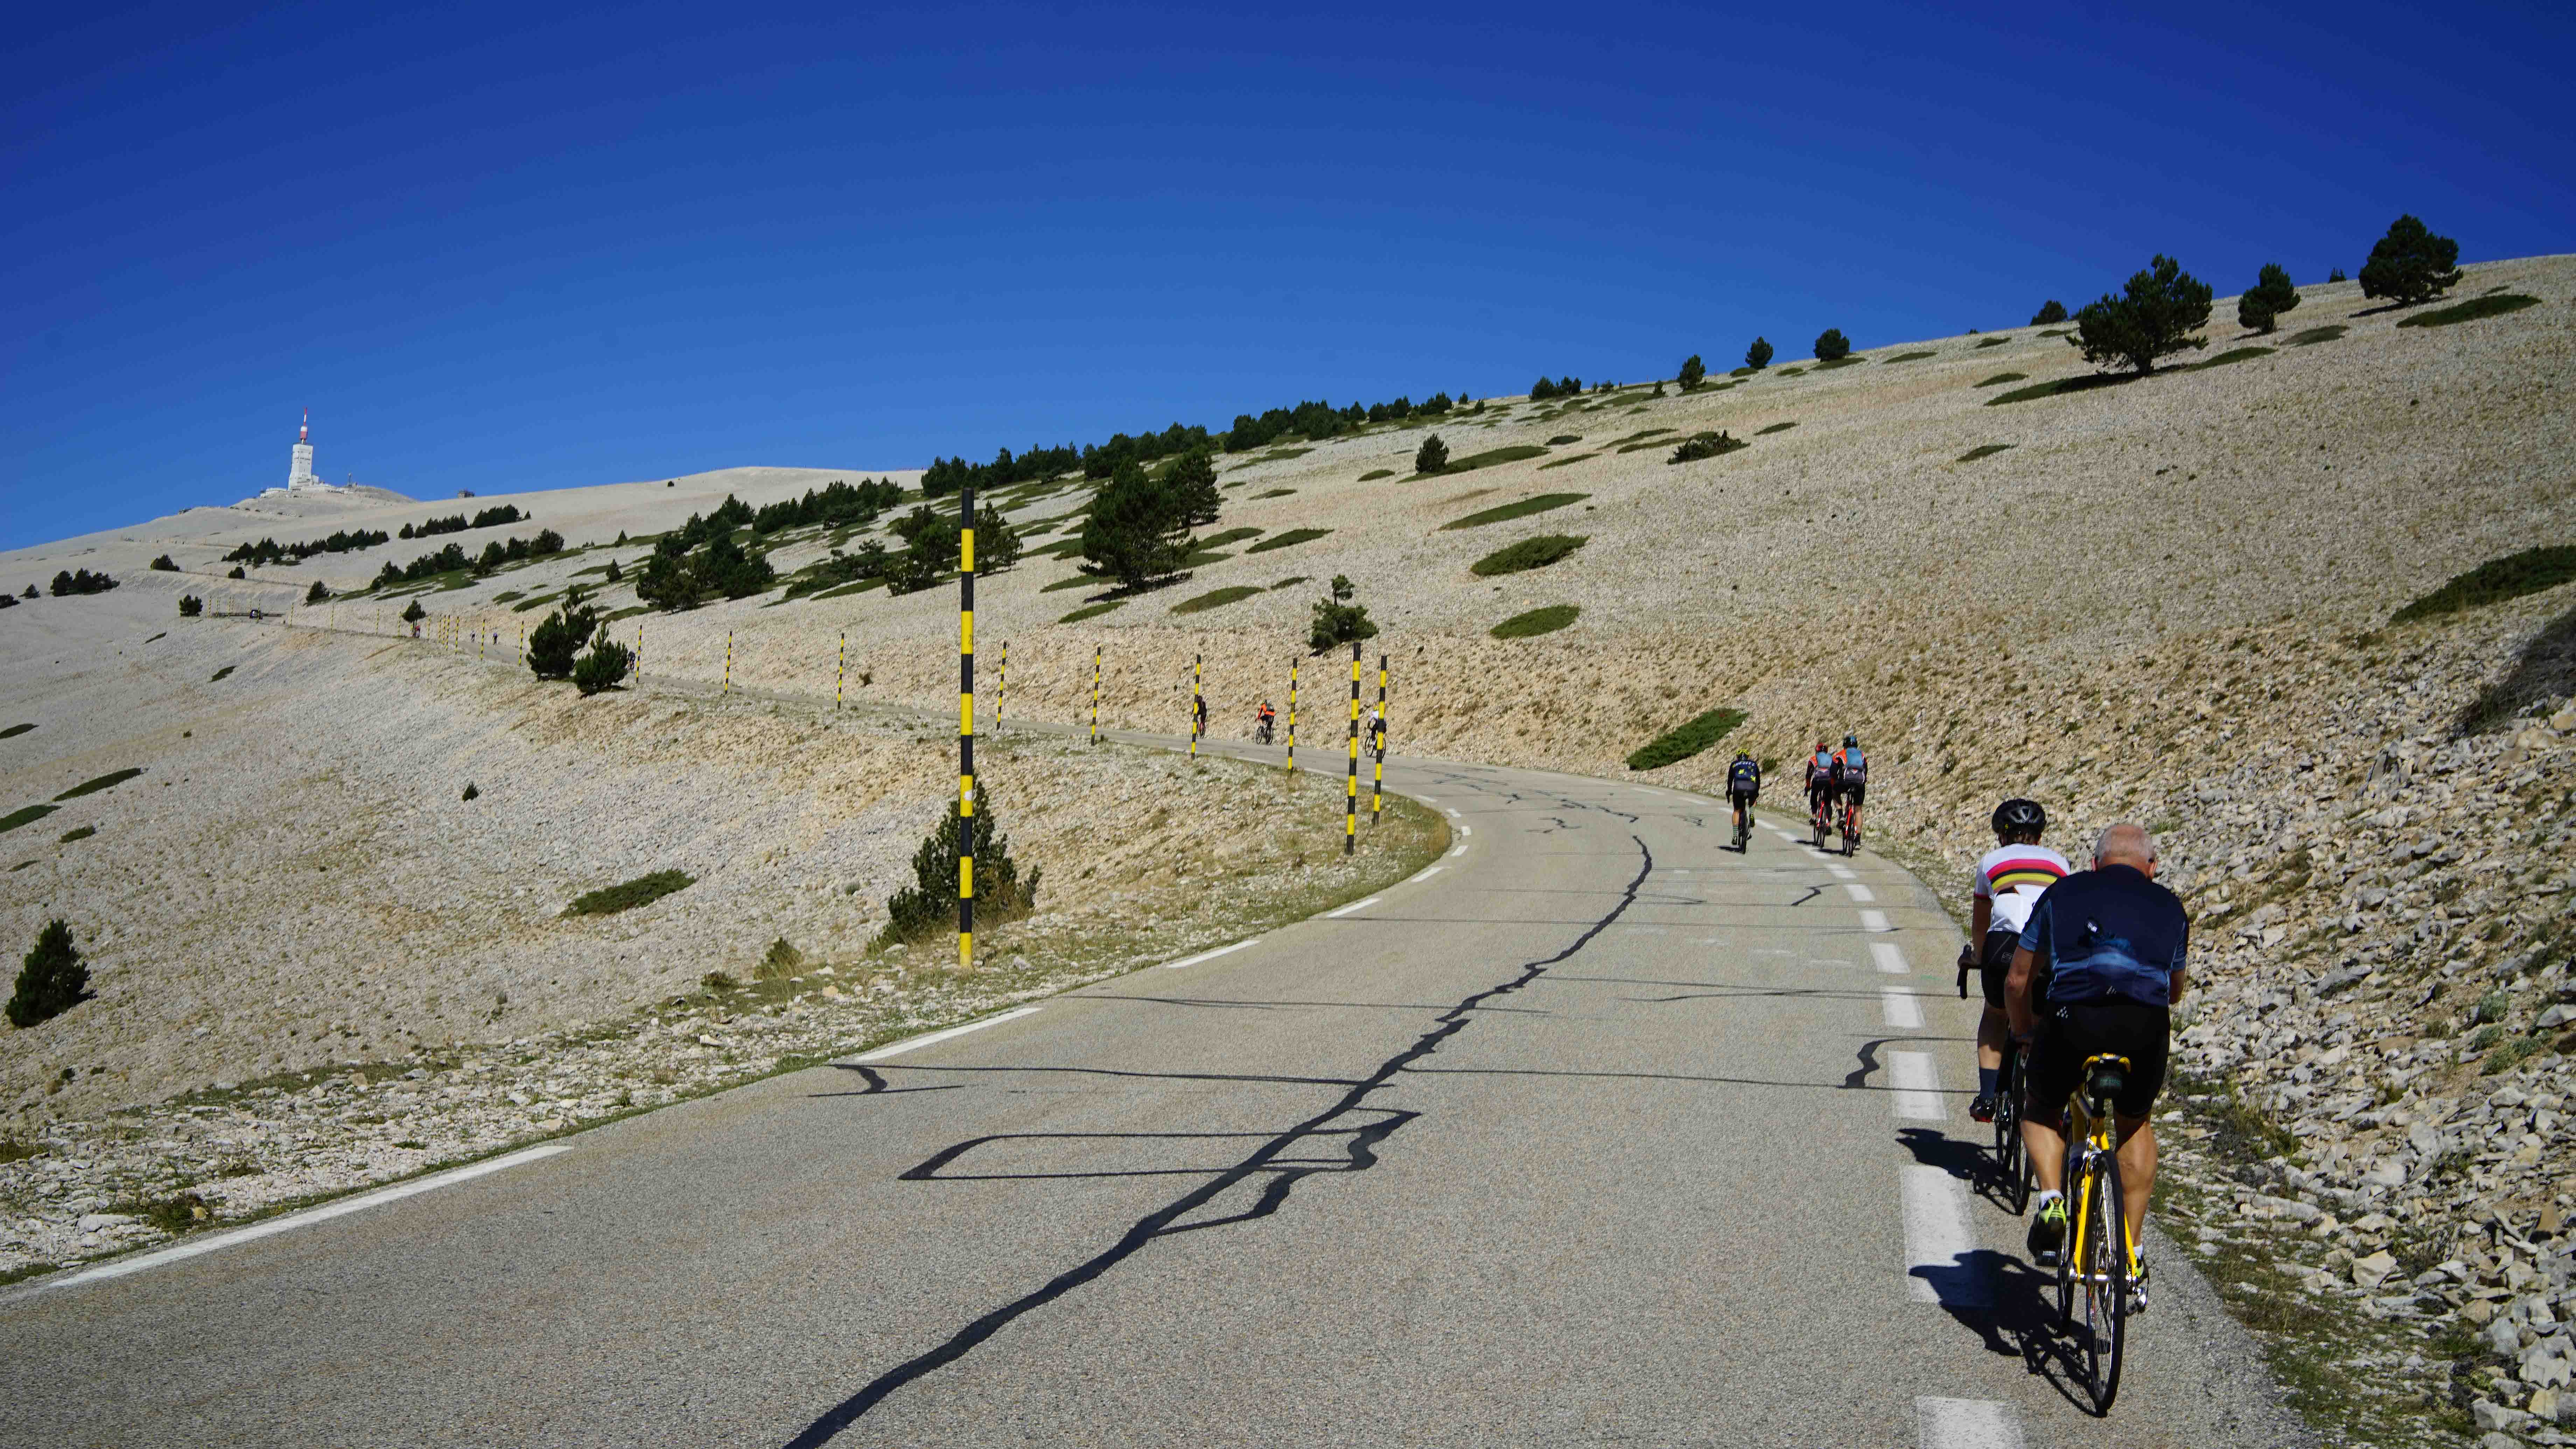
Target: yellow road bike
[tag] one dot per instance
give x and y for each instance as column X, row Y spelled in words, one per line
column 2095, row 1260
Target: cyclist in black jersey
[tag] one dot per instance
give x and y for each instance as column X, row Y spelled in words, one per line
column 1743, row 787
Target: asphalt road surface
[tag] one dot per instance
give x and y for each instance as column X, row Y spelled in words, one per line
column 1594, row 1133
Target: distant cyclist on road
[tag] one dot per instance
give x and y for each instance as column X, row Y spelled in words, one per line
column 1851, row 778
column 1743, row 787
column 1377, row 728
column 1198, row 716
column 2007, row 883
column 1262, row 720
column 2112, row 942
column 1820, row 782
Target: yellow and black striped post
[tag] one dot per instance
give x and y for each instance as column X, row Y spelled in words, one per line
column 1095, row 694
column 1002, row 685
column 727, row 686
column 639, row 655
column 841, row 673
column 523, row 646
column 1351, row 780
column 1377, row 787
column 966, row 726
column 1198, row 664
column 1292, row 714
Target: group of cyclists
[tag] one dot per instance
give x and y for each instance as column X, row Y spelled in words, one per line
column 2078, row 968
column 1265, row 722
column 1834, row 777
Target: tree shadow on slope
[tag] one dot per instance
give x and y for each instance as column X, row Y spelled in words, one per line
column 2546, row 671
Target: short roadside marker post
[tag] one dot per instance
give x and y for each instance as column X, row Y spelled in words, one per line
column 639, row 655
column 841, row 677
column 1351, row 779
column 1292, row 713
column 1198, row 702
column 1095, row 694
column 1002, row 685
column 1377, row 787
column 727, row 686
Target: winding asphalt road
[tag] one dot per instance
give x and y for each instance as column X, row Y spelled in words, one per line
column 1596, row 1132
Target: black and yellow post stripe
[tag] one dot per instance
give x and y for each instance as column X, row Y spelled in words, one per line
column 1351, row 779
column 841, row 673
column 966, row 726
column 1095, row 694
column 728, row 674
column 1198, row 666
column 1002, row 685
column 1292, row 714
column 1377, row 787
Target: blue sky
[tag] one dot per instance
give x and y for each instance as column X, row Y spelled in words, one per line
column 497, row 247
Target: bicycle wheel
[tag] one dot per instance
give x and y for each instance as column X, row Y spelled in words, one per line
column 2106, row 1280
column 2072, row 1181
column 2014, row 1153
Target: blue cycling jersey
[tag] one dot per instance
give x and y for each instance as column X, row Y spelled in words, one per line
column 2109, row 932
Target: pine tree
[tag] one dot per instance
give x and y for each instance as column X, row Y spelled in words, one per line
column 1193, row 478
column 2152, row 319
column 930, row 902
column 319, row 593
column 190, row 606
column 604, row 667
column 1138, row 531
column 997, row 544
column 1338, row 618
column 552, row 644
column 2263, row 303
column 2050, row 313
column 2410, row 264
column 1758, row 356
column 52, row 980
column 1432, row 456
column 1832, row 345
column 413, row 613
column 1693, row 373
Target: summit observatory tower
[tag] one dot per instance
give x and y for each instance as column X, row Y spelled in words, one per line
column 299, row 473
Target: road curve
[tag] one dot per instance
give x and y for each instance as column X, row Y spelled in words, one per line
column 1594, row 1132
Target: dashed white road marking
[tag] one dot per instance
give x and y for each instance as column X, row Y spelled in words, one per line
column 1426, row 873
column 1941, row 1262
column 290, row 1221
column 1452, row 811
column 1917, row 1085
column 1887, row 958
column 1353, row 906
column 929, row 1038
column 1858, row 891
column 1209, row 955
column 1457, row 851
column 1873, row 920
column 1839, row 872
column 1466, row 829
column 1900, row 1008
column 1965, row 1424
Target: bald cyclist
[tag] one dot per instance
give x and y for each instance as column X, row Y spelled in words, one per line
column 2108, row 944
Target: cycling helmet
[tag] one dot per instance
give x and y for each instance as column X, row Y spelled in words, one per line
column 2016, row 815
column 1851, row 742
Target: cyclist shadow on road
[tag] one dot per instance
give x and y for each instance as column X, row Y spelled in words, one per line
column 2008, row 1303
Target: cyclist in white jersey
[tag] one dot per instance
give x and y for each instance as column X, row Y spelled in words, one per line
column 2009, row 880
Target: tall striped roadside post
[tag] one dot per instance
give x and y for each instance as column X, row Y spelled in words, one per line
column 1095, row 694
column 1198, row 663
column 966, row 726
column 1377, row 787
column 727, row 687
column 1002, row 685
column 1292, row 713
column 841, row 672
column 639, row 655
column 1351, row 780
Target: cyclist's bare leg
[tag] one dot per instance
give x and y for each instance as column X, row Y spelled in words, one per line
column 2047, row 1153
column 1992, row 1033
column 2137, row 1171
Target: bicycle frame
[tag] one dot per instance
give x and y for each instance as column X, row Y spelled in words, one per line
column 2092, row 1166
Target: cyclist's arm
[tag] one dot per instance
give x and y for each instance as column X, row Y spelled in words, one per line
column 1981, row 917
column 2017, row 1005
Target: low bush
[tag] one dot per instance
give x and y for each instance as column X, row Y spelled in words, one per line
column 1994, row 342
column 1706, row 445
column 929, row 904
column 81, row 581
column 1561, row 439
column 644, row 890
column 1216, row 599
column 1504, row 513
column 470, row 792
column 604, row 667
column 1909, row 357
column 15, row 730
column 1984, row 450
column 1529, row 553
column 413, row 613
column 1537, row 621
column 1492, row 456
column 25, row 815
column 190, row 606
column 220, row 675
column 2495, row 581
column 2493, row 305
column 79, row 833
column 108, row 781
column 52, row 979
column 1284, row 492
column 1339, row 617
column 236, row 573
column 1685, row 740
column 165, row 564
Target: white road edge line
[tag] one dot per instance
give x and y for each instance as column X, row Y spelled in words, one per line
column 1940, row 1266
column 1965, row 1424
column 1353, row 906
column 1209, row 955
column 1888, row 958
column 1873, row 920
column 930, row 1038
column 1426, row 873
column 1457, row 851
column 1901, row 1009
column 1858, row 891
column 1466, row 830
column 1917, row 1084
column 290, row 1221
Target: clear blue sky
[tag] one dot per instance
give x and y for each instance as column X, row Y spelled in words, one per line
column 496, row 248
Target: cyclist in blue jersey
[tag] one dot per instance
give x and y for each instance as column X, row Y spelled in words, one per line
column 1851, row 778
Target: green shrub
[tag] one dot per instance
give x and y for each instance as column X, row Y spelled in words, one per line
column 25, row 815
column 318, row 594
column 1090, row 611
column 1289, row 539
column 1529, row 553
column 1832, row 345
column 604, row 667
column 2495, row 305
column 1792, row 372
column 2153, row 318
column 2003, row 377
column 1984, row 450
column 220, row 675
column 1994, row 342
column 929, row 904
column 1757, row 356
column 15, row 730
column 2410, row 264
column 1706, row 445
column 1909, row 357
column 1370, row 476
column 1217, row 598
column 52, row 980
column 237, row 573
column 165, row 564
column 470, row 792
column 1492, row 456
column 83, row 832
column 2495, row 581
column 1537, row 621
column 553, row 644
column 1774, row 428
column 2264, row 303
column 1693, row 373
column 2050, row 312
column 1339, row 618
column 1561, row 439
column 644, row 890
column 108, row 781
column 413, row 613
column 1432, row 456
column 190, row 606
column 1685, row 740
column 1284, row 492
column 1504, row 513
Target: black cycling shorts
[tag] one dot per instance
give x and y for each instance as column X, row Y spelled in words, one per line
column 1994, row 963
column 2069, row 1032
column 1742, row 799
column 1853, row 793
